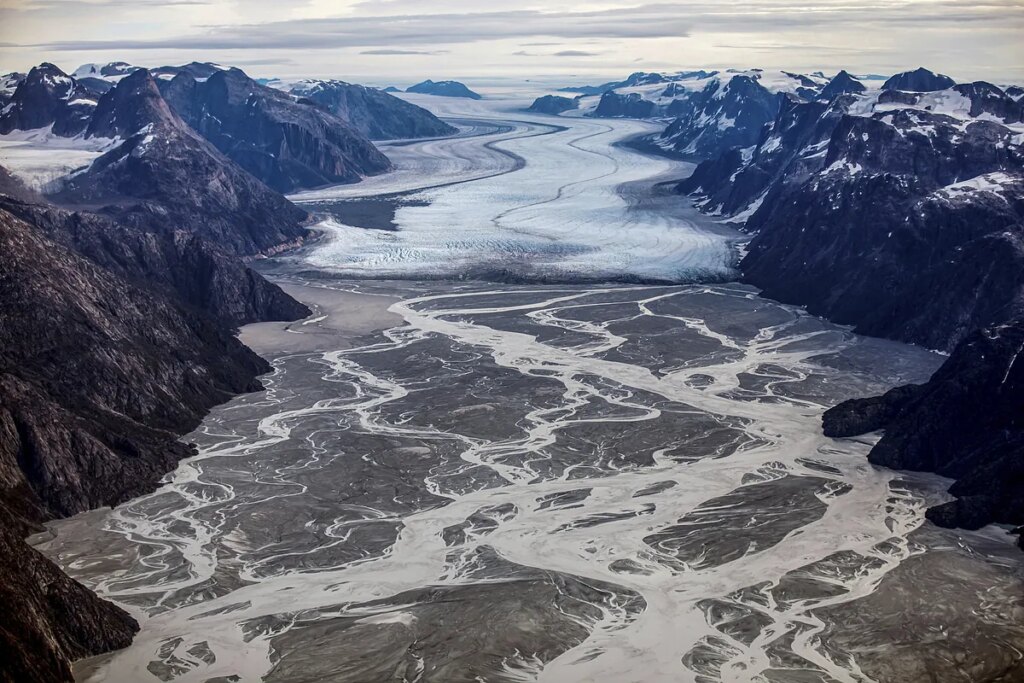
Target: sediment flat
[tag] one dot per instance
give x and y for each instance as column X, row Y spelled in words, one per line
column 340, row 315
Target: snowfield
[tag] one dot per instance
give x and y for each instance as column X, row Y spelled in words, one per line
column 524, row 196
column 41, row 159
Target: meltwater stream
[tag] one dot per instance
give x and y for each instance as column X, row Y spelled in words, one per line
column 562, row 483
column 535, row 483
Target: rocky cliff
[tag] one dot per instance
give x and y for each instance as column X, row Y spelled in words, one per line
column 901, row 212
column 99, row 377
column 966, row 422
column 48, row 97
column 49, row 618
column 195, row 270
column 630, row 105
column 374, row 113
column 283, row 141
column 918, row 80
column 165, row 175
column 724, row 114
column 117, row 313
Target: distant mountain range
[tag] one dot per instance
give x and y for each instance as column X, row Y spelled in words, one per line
column 372, row 112
column 443, row 89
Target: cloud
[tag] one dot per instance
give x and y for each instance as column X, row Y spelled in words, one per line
column 63, row 5
column 406, row 30
column 403, row 52
column 979, row 38
column 263, row 61
column 661, row 20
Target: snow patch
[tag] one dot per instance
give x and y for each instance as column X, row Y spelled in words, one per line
column 988, row 182
column 41, row 159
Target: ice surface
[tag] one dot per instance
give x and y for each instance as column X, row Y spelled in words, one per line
column 536, row 197
column 40, row 159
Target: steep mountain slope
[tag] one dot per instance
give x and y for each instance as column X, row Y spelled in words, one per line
column 97, row 380
column 8, row 84
column 443, row 89
column 899, row 213
column 116, row 328
column 286, row 143
column 49, row 618
column 712, row 111
column 196, row 271
column 630, row 105
column 841, row 84
column 722, row 115
column 48, row 97
column 100, row 375
column 165, row 175
column 372, row 112
column 966, row 422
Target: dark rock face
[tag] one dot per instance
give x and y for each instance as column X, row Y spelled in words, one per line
column 199, row 70
column 286, row 143
column 862, row 415
column 130, row 106
column 738, row 178
column 49, row 618
column 902, row 213
column 8, row 84
column 553, row 104
column 919, row 80
column 195, row 270
column 966, row 422
column 904, row 222
column 988, row 99
column 117, row 337
column 98, row 378
column 374, row 113
column 841, row 84
column 48, row 97
column 876, row 241
column 99, row 375
column 631, row 106
column 721, row 116
column 444, row 89
column 164, row 175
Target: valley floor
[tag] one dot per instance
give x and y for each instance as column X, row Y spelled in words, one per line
column 458, row 481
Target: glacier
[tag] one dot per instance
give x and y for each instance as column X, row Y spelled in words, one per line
column 582, row 205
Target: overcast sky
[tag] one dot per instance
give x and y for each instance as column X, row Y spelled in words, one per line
column 402, row 41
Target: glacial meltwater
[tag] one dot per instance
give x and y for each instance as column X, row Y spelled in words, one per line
column 581, row 482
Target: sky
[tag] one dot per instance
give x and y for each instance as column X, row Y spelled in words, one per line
column 384, row 42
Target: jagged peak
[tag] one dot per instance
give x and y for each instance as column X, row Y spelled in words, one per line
column 131, row 105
